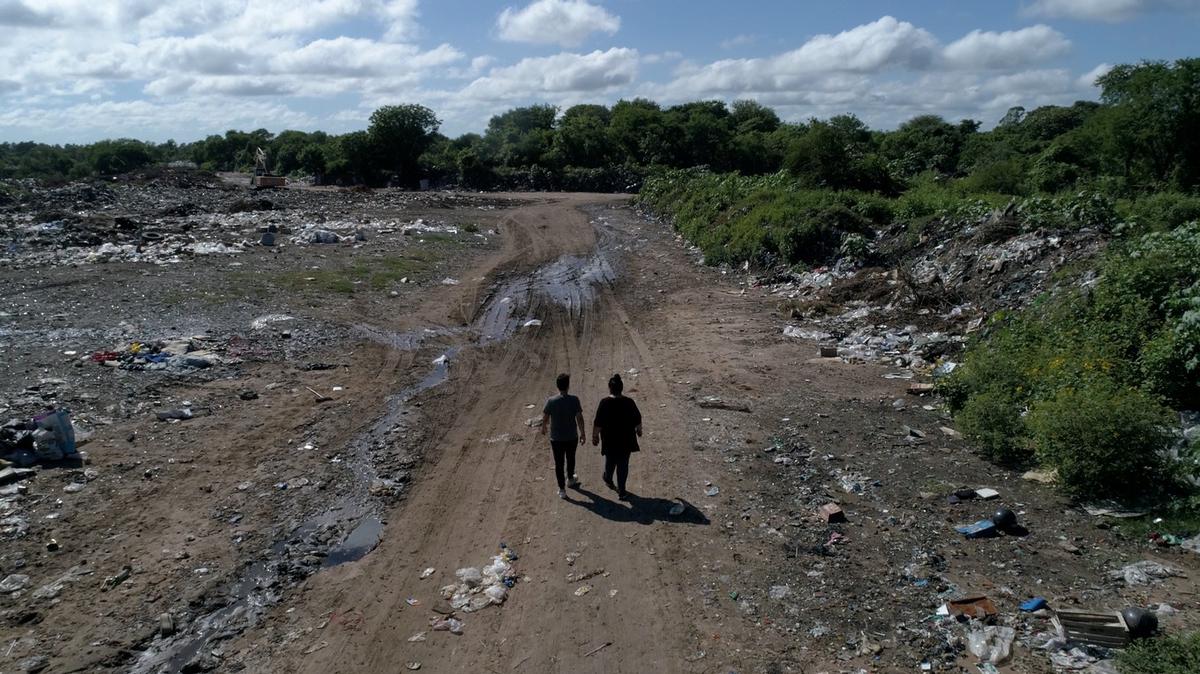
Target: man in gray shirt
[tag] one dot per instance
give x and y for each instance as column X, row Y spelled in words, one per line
column 563, row 417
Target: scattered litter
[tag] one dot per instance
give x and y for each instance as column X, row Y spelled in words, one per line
column 427, row 573
column 979, row 608
column 413, row 665
column 419, row 636
column 1145, row 572
column 1115, row 513
column 450, row 624
column 1035, row 604
column 583, row 589
column 991, row 644
column 598, row 649
column 712, row 491
column 987, row 494
column 532, row 323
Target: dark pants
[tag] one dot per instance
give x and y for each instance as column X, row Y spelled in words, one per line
column 619, row 462
column 564, row 450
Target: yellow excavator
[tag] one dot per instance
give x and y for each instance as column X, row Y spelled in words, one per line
column 262, row 177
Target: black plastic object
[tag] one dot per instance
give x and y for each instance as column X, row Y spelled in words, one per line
column 1004, row 519
column 1141, row 623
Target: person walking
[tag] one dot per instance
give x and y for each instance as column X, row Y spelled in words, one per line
column 618, row 423
column 563, row 415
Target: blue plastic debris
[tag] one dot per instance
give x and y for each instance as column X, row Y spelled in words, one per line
column 1035, row 604
column 981, row 529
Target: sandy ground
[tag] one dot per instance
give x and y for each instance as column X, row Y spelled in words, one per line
column 746, row 579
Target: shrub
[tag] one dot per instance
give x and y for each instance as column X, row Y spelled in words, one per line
column 1162, row 211
column 1164, row 655
column 1105, row 440
column 992, row 420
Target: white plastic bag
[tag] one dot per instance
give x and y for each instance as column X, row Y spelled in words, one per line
column 470, row 576
column 497, row 594
column 991, row 644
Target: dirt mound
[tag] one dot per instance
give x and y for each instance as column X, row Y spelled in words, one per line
column 172, row 176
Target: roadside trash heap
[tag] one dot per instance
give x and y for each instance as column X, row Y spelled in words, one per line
column 47, row 437
column 178, row 354
column 477, row 589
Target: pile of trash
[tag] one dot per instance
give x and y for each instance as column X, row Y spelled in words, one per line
column 176, row 354
column 47, row 437
column 917, row 308
column 477, row 588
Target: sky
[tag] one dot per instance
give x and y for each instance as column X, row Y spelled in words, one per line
column 74, row 71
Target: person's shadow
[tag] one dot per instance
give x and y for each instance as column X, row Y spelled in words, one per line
column 641, row 509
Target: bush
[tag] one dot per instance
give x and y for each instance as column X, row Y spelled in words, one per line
column 992, row 420
column 1093, row 367
column 1164, row 655
column 1105, row 441
column 763, row 220
column 1162, row 212
column 1084, row 209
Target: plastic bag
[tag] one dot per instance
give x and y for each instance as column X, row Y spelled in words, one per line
column 55, row 437
column 497, row 594
column 991, row 644
column 497, row 570
column 470, row 576
column 451, row 625
column 477, row 603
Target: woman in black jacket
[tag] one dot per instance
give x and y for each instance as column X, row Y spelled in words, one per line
column 618, row 423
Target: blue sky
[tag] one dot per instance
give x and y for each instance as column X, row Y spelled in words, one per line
column 81, row 70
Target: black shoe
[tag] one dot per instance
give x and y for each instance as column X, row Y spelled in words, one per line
column 610, row 484
column 623, row 496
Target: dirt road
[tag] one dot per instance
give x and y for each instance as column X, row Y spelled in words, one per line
column 489, row 480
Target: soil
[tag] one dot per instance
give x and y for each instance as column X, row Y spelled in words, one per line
column 391, row 433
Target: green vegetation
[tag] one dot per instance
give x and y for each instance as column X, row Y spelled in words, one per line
column 1082, row 381
column 1165, row 655
column 368, row 273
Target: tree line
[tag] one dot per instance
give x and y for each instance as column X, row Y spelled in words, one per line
column 1139, row 136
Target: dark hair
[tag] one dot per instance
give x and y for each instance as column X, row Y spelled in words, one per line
column 563, row 382
column 615, row 385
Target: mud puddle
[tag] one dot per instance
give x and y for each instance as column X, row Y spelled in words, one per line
column 260, row 585
column 570, row 282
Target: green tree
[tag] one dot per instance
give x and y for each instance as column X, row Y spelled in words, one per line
column 583, row 137
column 1156, row 110
column 398, row 135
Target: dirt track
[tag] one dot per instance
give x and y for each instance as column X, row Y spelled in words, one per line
column 489, row 481
column 747, row 579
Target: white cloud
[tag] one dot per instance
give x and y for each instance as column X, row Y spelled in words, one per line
column 558, row 74
column 149, row 120
column 1010, row 49
column 1088, row 79
column 875, row 47
column 563, row 22
column 1112, row 11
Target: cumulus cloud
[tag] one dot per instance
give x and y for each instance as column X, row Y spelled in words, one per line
column 1010, row 49
column 566, row 23
column 558, row 74
column 1111, row 11
column 151, row 120
column 882, row 45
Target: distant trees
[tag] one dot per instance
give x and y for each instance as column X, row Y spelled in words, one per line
column 1139, row 137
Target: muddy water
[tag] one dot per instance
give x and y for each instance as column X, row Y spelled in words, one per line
column 570, row 283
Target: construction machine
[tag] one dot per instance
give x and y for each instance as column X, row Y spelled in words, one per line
column 262, row 177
